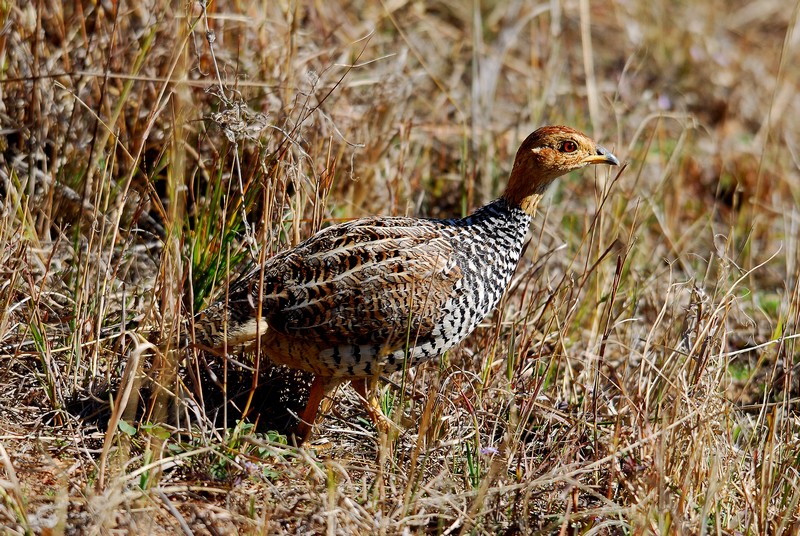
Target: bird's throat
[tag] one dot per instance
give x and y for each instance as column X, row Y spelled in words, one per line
column 527, row 203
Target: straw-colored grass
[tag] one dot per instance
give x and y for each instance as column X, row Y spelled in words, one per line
column 640, row 376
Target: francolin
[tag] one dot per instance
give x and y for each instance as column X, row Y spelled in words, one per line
column 373, row 295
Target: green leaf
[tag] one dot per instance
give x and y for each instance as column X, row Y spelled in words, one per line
column 127, row 428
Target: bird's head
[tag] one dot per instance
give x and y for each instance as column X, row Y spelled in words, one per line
column 546, row 154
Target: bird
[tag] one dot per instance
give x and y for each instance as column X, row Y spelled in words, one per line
column 375, row 295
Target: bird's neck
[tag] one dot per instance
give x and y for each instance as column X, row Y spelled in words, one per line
column 526, row 202
column 524, row 189
column 500, row 214
column 487, row 246
column 524, row 192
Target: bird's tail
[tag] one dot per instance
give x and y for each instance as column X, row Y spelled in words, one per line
column 218, row 327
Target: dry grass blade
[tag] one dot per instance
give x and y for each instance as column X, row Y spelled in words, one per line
column 12, row 491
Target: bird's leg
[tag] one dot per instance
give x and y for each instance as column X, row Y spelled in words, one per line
column 372, row 405
column 317, row 392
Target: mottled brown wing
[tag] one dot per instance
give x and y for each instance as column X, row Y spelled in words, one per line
column 367, row 282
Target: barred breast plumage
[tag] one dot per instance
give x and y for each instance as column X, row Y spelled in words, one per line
column 373, row 295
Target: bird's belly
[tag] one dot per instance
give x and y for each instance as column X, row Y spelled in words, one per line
column 365, row 360
column 353, row 361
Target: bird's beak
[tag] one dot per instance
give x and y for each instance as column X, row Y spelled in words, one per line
column 602, row 156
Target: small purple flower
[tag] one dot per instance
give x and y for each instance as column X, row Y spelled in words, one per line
column 250, row 467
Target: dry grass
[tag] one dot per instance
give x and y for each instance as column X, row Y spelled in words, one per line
column 641, row 376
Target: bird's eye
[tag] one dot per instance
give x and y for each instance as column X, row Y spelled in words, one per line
column 568, row 146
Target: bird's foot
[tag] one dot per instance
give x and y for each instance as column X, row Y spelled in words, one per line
column 306, row 425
